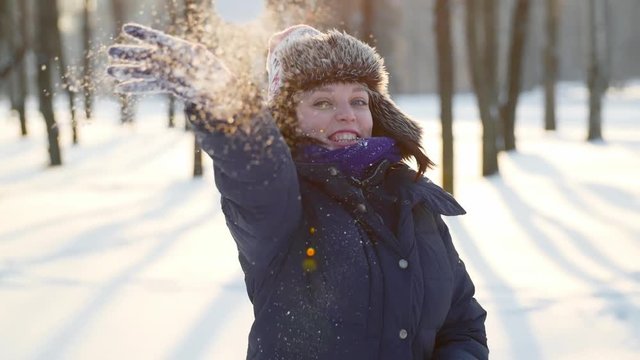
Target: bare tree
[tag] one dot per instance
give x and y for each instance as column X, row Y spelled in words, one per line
column 172, row 111
column 6, row 63
column 14, row 58
column 45, row 51
column 489, row 18
column 197, row 14
column 551, row 63
column 118, row 9
column 368, row 18
column 442, row 12
column 15, row 32
column 520, row 20
column 87, row 68
column 598, row 73
column 172, row 9
column 485, row 94
column 61, row 57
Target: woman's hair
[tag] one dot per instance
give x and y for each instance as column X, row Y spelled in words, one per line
column 302, row 58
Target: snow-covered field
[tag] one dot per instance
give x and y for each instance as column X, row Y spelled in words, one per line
column 120, row 254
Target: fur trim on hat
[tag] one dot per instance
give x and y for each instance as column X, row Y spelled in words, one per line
column 316, row 59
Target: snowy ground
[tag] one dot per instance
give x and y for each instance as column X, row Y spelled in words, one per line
column 119, row 254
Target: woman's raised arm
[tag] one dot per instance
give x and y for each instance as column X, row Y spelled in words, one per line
column 254, row 171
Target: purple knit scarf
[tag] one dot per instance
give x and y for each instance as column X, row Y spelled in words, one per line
column 353, row 160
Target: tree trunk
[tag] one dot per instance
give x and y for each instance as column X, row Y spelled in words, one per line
column 45, row 51
column 118, row 10
column 597, row 74
column 5, row 38
column 489, row 55
column 87, row 69
column 21, row 71
column 197, row 159
column 172, row 8
column 367, row 21
column 445, row 87
column 516, row 49
column 490, row 18
column 551, row 63
column 196, row 15
column 64, row 77
column 172, row 111
column 482, row 89
column 16, row 36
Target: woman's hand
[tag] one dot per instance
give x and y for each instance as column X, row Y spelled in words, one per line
column 166, row 64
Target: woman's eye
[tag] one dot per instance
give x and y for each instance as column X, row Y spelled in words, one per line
column 322, row 104
column 359, row 102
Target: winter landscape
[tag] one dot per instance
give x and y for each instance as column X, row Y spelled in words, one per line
column 121, row 254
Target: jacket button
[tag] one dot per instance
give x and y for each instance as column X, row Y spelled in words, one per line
column 361, row 208
column 403, row 264
column 333, row 171
column 403, row 334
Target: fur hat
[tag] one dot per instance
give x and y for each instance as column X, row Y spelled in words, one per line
column 302, row 58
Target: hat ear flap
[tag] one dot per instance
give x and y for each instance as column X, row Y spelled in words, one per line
column 389, row 121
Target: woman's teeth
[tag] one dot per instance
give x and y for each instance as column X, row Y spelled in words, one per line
column 344, row 137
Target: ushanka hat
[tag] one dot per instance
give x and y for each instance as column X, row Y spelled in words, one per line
column 302, row 58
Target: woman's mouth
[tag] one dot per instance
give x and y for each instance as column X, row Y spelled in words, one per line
column 344, row 137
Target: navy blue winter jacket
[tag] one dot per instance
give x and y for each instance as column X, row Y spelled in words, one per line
column 383, row 280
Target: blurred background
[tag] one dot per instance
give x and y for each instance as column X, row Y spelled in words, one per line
column 112, row 243
column 52, row 49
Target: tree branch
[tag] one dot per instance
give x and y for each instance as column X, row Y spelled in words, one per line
column 15, row 60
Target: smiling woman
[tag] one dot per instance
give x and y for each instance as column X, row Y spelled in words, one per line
column 343, row 246
column 337, row 115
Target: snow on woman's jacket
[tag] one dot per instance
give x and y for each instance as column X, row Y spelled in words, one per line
column 338, row 268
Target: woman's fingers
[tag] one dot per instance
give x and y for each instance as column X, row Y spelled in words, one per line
column 129, row 72
column 130, row 52
column 153, row 37
column 164, row 63
column 154, row 86
column 141, row 87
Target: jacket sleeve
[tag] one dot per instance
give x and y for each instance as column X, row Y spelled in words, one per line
column 257, row 180
column 462, row 335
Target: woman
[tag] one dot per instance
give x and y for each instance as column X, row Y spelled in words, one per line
column 343, row 247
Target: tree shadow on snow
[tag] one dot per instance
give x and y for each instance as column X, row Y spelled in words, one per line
column 615, row 197
column 505, row 298
column 57, row 345
column 212, row 321
column 537, row 166
column 524, row 216
column 111, row 235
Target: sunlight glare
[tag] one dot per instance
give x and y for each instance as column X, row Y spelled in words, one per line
column 231, row 12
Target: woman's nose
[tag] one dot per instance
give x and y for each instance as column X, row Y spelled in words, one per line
column 344, row 112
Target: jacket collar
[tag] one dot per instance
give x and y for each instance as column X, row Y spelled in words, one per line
column 425, row 192
column 324, row 172
column 400, row 176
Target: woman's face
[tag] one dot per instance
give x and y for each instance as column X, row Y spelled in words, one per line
column 337, row 114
